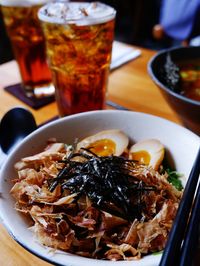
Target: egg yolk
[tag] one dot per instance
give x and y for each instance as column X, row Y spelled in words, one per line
column 103, row 147
column 143, row 157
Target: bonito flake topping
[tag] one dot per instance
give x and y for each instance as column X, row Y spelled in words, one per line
column 104, row 207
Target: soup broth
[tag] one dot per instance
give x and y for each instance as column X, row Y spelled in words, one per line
column 190, row 79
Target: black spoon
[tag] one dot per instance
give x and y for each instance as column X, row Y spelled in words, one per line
column 15, row 125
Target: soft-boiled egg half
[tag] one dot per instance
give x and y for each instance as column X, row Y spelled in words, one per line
column 149, row 152
column 105, row 143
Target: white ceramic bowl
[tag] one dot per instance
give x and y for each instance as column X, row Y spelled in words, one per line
column 181, row 145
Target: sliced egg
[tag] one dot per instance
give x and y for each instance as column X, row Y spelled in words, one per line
column 149, row 152
column 105, row 143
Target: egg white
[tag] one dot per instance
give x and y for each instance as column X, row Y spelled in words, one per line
column 153, row 147
column 118, row 137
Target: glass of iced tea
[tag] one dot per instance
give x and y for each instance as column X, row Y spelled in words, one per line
column 28, row 43
column 79, row 38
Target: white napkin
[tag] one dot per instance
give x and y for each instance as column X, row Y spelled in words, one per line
column 122, row 53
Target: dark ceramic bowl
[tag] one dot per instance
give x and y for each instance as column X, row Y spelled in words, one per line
column 187, row 109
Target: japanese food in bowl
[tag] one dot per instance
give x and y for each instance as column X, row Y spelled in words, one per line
column 183, row 77
column 190, row 79
column 102, row 197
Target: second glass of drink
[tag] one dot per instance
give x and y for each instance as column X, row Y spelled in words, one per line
column 79, row 40
column 28, row 43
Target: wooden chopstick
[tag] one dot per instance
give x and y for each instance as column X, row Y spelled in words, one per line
column 172, row 251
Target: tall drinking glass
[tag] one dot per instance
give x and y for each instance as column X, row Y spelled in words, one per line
column 79, row 40
column 28, row 43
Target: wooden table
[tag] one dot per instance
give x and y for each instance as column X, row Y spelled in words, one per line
column 129, row 86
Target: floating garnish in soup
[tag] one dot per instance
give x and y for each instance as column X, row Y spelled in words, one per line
column 190, row 79
column 105, row 198
column 182, row 77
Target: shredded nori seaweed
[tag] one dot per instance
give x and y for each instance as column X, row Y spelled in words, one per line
column 106, row 181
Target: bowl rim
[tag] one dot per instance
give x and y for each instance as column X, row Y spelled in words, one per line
column 160, row 84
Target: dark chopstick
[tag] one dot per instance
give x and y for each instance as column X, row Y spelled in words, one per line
column 116, row 106
column 190, row 244
column 172, row 250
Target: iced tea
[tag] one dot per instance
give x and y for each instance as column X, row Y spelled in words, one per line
column 79, row 40
column 27, row 38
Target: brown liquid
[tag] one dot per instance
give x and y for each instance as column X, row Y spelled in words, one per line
column 79, row 58
column 28, row 44
column 190, row 79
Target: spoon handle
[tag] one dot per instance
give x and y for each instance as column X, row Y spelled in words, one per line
column 3, row 157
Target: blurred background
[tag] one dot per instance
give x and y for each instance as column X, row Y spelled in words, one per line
column 137, row 23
